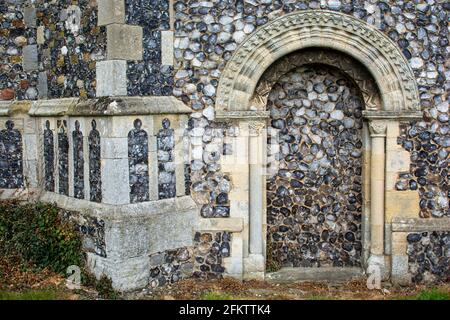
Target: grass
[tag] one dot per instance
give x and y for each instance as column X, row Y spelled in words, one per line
column 428, row 294
column 33, row 295
column 433, row 294
column 211, row 295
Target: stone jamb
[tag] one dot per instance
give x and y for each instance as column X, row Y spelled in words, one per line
column 377, row 130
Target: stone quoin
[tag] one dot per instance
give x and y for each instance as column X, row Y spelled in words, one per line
column 278, row 140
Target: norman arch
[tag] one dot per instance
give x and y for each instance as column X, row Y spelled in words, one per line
column 390, row 95
column 321, row 29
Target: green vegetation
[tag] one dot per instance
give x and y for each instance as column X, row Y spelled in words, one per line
column 35, row 234
column 34, row 242
column 105, row 289
column 432, row 294
column 33, row 295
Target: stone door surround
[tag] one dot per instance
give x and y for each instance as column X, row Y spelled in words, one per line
column 240, row 99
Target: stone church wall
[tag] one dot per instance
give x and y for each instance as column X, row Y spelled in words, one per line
column 62, row 51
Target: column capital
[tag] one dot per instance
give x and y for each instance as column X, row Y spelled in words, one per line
column 377, row 128
column 256, row 127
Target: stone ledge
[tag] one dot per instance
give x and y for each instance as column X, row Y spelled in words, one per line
column 226, row 115
column 222, row 224
column 9, row 108
column 28, row 194
column 108, row 106
column 52, row 108
column 393, row 115
column 119, row 212
column 420, row 225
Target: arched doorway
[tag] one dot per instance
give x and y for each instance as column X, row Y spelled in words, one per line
column 389, row 97
column 315, row 198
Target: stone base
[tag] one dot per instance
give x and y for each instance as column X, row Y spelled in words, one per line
column 254, row 267
column 132, row 233
column 126, row 275
column 378, row 261
column 399, row 271
column 329, row 274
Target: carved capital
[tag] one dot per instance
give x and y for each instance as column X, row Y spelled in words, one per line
column 377, row 128
column 256, row 127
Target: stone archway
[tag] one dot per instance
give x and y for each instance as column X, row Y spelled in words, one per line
column 392, row 96
column 322, row 29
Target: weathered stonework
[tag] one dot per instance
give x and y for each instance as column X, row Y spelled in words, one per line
column 11, row 162
column 63, row 158
column 219, row 61
column 429, row 256
column 78, row 161
column 91, row 229
column 95, row 179
column 138, row 163
column 170, row 266
column 166, row 161
column 210, row 249
column 49, row 158
column 314, row 201
column 429, row 166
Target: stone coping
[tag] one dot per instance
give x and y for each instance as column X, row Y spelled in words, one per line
column 393, row 115
column 225, row 115
column 9, row 108
column 222, row 224
column 108, row 106
column 420, row 224
column 28, row 194
column 119, row 212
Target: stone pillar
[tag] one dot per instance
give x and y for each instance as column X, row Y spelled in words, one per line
column 377, row 182
column 256, row 187
column 255, row 262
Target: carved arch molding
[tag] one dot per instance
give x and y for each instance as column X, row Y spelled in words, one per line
column 318, row 29
column 354, row 70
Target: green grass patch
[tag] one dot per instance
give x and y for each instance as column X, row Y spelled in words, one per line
column 433, row 294
column 427, row 294
column 33, row 295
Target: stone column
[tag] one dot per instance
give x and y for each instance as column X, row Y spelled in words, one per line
column 255, row 260
column 256, row 187
column 377, row 181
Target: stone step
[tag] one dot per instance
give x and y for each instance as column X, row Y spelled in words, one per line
column 329, row 274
